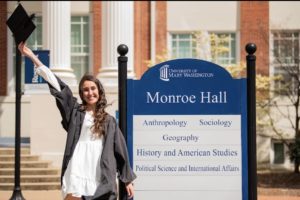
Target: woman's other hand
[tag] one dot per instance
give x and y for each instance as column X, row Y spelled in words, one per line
column 130, row 190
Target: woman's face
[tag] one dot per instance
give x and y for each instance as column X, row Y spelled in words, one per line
column 90, row 93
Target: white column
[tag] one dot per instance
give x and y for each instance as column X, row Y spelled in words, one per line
column 56, row 38
column 153, row 31
column 117, row 28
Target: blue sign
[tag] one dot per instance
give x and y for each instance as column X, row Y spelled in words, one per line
column 187, row 132
column 31, row 77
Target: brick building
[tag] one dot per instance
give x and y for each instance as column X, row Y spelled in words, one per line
column 83, row 37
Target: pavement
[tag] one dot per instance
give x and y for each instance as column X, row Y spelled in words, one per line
column 34, row 195
column 278, row 198
column 56, row 195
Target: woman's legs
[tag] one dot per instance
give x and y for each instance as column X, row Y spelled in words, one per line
column 70, row 197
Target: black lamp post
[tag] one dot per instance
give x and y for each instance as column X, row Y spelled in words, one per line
column 21, row 26
column 17, row 194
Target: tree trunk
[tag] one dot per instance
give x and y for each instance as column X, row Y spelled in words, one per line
column 296, row 170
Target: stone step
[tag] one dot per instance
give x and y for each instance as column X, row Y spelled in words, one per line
column 31, row 171
column 26, row 164
column 23, row 158
column 11, row 151
column 32, row 186
column 31, row 179
column 35, row 174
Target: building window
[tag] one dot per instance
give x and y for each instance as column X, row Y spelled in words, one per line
column 222, row 47
column 80, row 45
column 278, row 153
column 35, row 41
column 286, row 61
column 183, row 46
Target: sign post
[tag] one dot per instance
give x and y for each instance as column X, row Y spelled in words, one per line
column 251, row 94
column 187, row 132
column 122, row 117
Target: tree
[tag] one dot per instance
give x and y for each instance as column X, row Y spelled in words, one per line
column 286, row 91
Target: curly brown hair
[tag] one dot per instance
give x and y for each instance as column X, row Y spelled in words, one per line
column 100, row 113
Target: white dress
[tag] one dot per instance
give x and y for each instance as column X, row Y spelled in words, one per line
column 82, row 175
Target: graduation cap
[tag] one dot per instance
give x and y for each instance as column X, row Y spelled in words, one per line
column 20, row 24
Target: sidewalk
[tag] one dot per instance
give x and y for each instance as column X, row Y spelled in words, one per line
column 34, row 195
column 278, row 198
column 56, row 195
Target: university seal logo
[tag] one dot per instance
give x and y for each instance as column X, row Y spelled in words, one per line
column 164, row 73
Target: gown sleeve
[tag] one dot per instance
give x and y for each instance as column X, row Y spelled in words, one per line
column 48, row 76
column 65, row 100
column 126, row 174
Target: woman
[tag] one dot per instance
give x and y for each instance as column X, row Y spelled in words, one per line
column 95, row 147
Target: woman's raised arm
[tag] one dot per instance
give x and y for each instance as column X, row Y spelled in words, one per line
column 41, row 69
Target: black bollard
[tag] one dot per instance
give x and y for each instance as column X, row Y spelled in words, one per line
column 251, row 115
column 122, row 88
